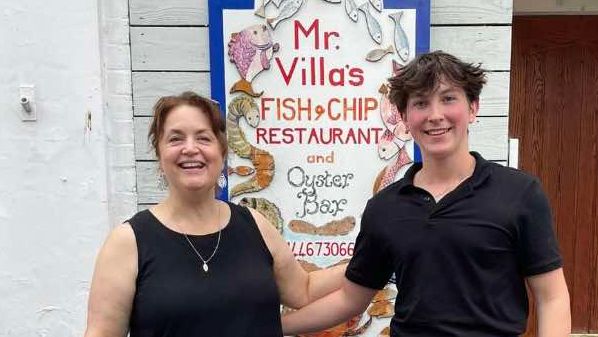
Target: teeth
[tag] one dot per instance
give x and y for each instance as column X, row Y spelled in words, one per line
column 436, row 132
column 192, row 165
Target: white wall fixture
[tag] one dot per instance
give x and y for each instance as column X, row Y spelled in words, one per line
column 27, row 100
column 513, row 153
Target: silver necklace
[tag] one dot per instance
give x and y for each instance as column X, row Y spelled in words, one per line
column 205, row 261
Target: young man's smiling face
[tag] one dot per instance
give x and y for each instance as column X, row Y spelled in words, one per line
column 438, row 120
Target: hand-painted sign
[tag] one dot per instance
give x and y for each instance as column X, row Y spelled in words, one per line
column 311, row 132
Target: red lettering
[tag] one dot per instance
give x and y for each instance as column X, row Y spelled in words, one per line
column 340, row 81
column 371, row 104
column 331, row 113
column 356, row 75
column 273, row 136
column 260, row 134
column 327, row 36
column 286, row 76
column 265, row 108
column 322, row 71
column 315, row 26
column 288, row 104
column 312, row 62
column 336, row 134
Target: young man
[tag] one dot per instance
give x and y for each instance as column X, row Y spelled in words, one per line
column 463, row 235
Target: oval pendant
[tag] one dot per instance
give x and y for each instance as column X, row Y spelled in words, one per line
column 205, row 267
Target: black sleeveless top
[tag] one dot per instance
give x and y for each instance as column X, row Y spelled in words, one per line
column 175, row 298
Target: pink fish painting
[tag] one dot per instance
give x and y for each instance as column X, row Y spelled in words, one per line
column 388, row 174
column 392, row 119
column 390, row 113
column 387, row 148
column 392, row 142
column 251, row 51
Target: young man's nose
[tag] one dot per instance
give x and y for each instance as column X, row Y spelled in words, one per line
column 435, row 112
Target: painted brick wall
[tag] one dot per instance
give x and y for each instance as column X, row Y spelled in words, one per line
column 118, row 106
column 61, row 188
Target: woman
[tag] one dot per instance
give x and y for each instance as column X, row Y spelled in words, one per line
column 193, row 265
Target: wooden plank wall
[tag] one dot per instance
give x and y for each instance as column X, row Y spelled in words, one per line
column 170, row 54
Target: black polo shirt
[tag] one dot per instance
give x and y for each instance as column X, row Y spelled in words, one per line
column 460, row 264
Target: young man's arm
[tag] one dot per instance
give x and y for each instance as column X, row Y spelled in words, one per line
column 541, row 262
column 348, row 301
column 552, row 303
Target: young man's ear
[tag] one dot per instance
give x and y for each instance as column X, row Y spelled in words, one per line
column 474, row 107
column 403, row 116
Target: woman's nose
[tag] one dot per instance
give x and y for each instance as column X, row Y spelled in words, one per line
column 190, row 146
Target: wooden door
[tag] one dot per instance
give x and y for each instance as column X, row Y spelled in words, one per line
column 554, row 113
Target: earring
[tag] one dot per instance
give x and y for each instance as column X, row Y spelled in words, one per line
column 222, row 181
column 162, row 182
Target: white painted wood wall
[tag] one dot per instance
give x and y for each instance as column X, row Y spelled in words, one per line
column 170, row 54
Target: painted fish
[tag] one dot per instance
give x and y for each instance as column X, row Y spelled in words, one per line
column 388, row 174
column 387, row 148
column 332, row 228
column 401, row 133
column 261, row 11
column 373, row 25
column 381, row 309
column 287, row 9
column 383, row 89
column 377, row 4
column 337, row 227
column 391, row 117
column 377, row 54
column 251, row 51
column 349, row 328
column 351, row 10
column 387, row 113
column 244, row 106
column 267, row 208
column 242, row 170
column 396, row 67
column 343, row 261
column 384, row 294
column 300, row 226
column 401, row 41
column 308, row 266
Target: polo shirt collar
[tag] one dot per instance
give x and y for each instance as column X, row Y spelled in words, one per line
column 481, row 172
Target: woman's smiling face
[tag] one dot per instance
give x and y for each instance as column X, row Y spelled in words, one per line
column 190, row 155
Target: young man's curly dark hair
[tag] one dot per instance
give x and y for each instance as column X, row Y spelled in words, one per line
column 423, row 74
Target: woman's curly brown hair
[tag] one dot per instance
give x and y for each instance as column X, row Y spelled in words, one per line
column 167, row 103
